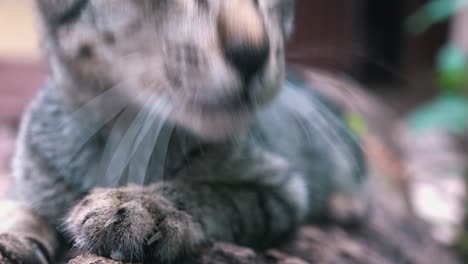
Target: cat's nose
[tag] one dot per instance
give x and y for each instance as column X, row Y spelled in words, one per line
column 243, row 37
column 247, row 59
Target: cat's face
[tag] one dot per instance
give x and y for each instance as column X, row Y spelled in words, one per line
column 211, row 61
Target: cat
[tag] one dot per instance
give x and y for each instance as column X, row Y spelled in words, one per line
column 165, row 125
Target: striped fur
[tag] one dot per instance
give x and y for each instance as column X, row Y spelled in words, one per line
column 146, row 143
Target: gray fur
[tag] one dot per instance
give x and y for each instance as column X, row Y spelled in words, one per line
column 131, row 164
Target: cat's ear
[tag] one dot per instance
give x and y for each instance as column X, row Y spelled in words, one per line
column 59, row 12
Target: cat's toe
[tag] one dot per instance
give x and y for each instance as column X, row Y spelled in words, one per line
column 110, row 226
column 177, row 236
column 129, row 228
column 15, row 249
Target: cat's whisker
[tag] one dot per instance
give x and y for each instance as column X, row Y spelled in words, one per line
column 90, row 127
column 132, row 151
column 146, row 155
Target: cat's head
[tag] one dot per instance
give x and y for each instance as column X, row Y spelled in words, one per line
column 211, row 61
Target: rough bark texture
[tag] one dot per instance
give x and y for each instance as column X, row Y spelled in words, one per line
column 391, row 235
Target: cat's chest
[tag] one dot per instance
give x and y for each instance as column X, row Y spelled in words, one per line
column 119, row 160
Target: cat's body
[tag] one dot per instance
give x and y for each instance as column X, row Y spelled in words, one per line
column 243, row 163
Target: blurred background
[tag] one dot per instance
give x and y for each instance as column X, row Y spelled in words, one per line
column 406, row 57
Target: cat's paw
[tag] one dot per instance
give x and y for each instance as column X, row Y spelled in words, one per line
column 15, row 249
column 129, row 224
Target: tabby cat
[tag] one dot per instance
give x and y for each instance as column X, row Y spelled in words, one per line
column 165, row 125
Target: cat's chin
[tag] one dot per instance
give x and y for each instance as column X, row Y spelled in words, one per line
column 214, row 125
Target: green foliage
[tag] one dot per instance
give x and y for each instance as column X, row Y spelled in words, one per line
column 452, row 70
column 433, row 12
column 449, row 113
column 356, row 124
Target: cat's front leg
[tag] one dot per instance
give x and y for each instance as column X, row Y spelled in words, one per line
column 167, row 221
column 251, row 199
column 132, row 224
